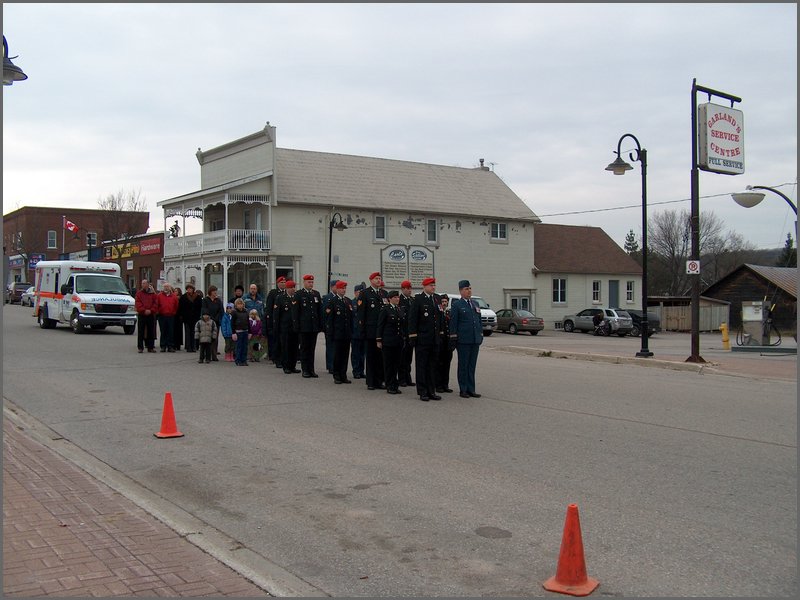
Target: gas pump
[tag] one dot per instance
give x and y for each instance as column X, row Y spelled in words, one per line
column 756, row 320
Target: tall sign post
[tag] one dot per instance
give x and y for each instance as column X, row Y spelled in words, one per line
column 721, row 135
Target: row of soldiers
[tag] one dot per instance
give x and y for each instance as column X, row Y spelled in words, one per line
column 388, row 327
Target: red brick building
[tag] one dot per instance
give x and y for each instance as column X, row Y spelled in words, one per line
column 34, row 233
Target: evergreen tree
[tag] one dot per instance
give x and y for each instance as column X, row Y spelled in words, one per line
column 631, row 245
column 788, row 257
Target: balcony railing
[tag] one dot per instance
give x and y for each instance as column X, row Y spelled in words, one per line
column 224, row 240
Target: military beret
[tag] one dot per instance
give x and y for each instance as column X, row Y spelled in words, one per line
column 290, row 283
column 374, row 275
column 464, row 283
column 281, row 278
column 340, row 285
column 308, row 278
column 393, row 294
column 360, row 287
column 405, row 284
column 429, row 281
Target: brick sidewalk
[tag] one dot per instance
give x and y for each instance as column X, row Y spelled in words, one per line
column 66, row 534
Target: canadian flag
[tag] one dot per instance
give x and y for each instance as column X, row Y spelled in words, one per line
column 70, row 226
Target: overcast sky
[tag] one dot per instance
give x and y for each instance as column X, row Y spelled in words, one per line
column 122, row 95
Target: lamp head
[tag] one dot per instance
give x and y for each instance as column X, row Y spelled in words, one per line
column 747, row 199
column 11, row 72
column 619, row 166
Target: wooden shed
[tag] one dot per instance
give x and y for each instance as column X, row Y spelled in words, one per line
column 749, row 283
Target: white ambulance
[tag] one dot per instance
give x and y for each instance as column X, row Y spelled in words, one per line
column 82, row 294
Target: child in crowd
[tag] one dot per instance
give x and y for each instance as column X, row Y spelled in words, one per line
column 255, row 342
column 205, row 333
column 227, row 332
column 240, row 324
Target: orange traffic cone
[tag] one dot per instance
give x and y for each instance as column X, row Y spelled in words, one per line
column 169, row 429
column 571, row 575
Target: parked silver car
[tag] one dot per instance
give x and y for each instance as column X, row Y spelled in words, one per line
column 620, row 321
column 28, row 297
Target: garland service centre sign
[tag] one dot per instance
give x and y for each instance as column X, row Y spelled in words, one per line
column 721, row 143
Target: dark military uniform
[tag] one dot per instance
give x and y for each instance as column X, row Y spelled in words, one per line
column 369, row 307
column 339, row 329
column 445, row 356
column 425, row 322
column 390, row 333
column 404, row 372
column 310, row 325
column 273, row 341
column 286, row 324
column 328, row 341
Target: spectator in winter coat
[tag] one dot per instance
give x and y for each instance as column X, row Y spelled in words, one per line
column 213, row 305
column 190, row 305
column 205, row 334
column 146, row 310
column 167, row 311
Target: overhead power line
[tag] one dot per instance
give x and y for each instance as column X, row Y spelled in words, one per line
column 639, row 205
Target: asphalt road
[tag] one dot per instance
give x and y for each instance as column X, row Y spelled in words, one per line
column 686, row 483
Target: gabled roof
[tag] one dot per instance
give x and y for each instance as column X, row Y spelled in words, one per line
column 784, row 278
column 341, row 180
column 579, row 249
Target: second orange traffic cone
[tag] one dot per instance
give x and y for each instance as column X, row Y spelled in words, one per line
column 169, row 428
column 570, row 577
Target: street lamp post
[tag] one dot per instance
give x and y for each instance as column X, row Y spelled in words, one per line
column 340, row 226
column 618, row 167
column 11, row 72
column 749, row 199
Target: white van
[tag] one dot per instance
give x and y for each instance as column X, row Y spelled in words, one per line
column 488, row 316
column 82, row 294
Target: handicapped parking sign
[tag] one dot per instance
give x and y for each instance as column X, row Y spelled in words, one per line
column 692, row 267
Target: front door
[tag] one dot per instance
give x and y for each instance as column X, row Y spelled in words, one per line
column 613, row 292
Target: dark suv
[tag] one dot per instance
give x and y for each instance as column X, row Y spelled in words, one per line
column 15, row 291
column 653, row 322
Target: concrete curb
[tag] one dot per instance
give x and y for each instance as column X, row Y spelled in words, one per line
column 267, row 575
column 607, row 358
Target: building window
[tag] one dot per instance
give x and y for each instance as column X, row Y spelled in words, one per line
column 499, row 232
column 520, row 303
column 246, row 219
column 596, row 291
column 431, row 231
column 629, row 291
column 51, row 240
column 380, row 228
column 559, row 291
column 216, row 224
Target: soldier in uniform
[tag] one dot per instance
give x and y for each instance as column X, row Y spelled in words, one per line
column 328, row 341
column 445, row 350
column 369, row 307
column 424, row 333
column 310, row 324
column 466, row 334
column 357, row 352
column 286, row 325
column 404, row 373
column 338, row 329
column 273, row 341
column 390, row 334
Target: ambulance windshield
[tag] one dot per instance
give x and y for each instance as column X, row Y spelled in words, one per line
column 99, row 284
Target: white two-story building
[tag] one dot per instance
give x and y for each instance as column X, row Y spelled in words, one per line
column 264, row 211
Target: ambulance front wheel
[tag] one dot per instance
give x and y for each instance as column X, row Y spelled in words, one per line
column 75, row 323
